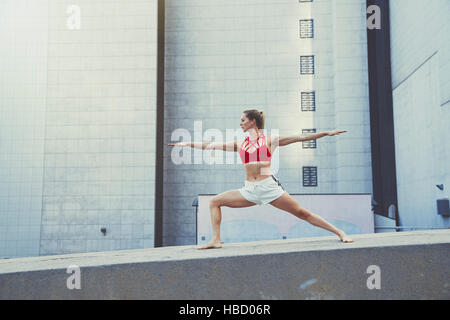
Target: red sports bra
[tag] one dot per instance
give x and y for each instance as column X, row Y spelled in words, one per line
column 261, row 153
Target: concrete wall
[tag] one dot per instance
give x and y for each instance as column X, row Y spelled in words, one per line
column 407, row 265
column 100, row 136
column 78, row 126
column 223, row 58
column 23, row 99
column 351, row 98
column 421, row 92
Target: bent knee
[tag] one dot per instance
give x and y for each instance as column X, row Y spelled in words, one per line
column 215, row 202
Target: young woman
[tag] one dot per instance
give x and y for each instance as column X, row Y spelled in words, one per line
column 261, row 187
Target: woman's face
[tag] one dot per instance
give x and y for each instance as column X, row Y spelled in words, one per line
column 246, row 123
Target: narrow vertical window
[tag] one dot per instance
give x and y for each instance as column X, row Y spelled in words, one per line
column 307, row 65
column 307, row 28
column 308, row 101
column 310, row 176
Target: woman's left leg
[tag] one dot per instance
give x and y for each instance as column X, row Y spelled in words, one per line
column 287, row 203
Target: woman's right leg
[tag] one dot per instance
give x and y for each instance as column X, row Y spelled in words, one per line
column 287, row 203
column 232, row 199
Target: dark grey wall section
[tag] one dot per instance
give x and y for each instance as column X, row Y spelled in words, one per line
column 381, row 114
column 159, row 161
column 412, row 265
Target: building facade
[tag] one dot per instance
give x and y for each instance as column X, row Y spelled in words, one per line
column 78, row 103
column 421, row 97
column 303, row 62
column 80, row 111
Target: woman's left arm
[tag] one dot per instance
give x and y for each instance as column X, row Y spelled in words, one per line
column 284, row 141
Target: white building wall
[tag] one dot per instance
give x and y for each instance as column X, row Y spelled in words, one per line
column 23, row 84
column 421, row 93
column 100, row 128
column 77, row 141
column 351, row 99
column 225, row 57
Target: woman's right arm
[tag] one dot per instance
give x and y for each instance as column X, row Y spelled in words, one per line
column 229, row 146
column 197, row 145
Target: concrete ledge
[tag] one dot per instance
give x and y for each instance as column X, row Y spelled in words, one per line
column 413, row 265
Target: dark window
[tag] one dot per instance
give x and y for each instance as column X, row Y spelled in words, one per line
column 308, row 101
column 307, row 65
column 311, row 144
column 307, row 28
column 305, row 0
column 310, row 176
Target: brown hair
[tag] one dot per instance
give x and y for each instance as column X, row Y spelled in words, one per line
column 258, row 116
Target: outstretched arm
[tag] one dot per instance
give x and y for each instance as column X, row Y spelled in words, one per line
column 284, row 141
column 228, row 146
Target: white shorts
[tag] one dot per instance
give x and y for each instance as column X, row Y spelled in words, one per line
column 262, row 192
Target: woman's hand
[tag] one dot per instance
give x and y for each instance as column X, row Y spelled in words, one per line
column 179, row 144
column 336, row 132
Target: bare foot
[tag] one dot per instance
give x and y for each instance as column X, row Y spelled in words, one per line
column 211, row 245
column 344, row 237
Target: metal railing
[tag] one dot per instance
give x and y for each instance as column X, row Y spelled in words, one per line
column 413, row 228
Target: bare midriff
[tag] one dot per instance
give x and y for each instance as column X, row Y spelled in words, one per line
column 257, row 171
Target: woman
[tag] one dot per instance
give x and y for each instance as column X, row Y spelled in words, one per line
column 261, row 187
